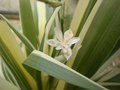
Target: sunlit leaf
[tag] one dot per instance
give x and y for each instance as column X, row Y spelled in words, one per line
column 13, row 57
column 27, row 43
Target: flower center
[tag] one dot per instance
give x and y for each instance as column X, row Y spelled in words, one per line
column 63, row 44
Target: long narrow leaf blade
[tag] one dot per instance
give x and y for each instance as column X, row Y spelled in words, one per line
column 105, row 65
column 30, row 30
column 110, row 75
column 42, row 62
column 26, row 42
column 13, row 57
column 42, row 19
column 79, row 13
column 48, row 26
column 100, row 39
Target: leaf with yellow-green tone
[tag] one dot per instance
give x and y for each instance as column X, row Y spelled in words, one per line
column 100, row 39
column 24, row 40
column 82, row 11
column 44, row 63
column 42, row 19
column 82, row 35
column 5, row 85
column 47, row 29
column 53, row 52
column 78, row 15
column 84, row 31
column 14, row 57
column 44, row 13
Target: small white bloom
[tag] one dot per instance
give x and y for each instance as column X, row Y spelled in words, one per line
column 63, row 42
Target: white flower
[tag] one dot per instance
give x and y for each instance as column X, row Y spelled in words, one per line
column 63, row 42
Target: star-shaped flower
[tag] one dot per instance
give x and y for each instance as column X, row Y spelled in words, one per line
column 63, row 42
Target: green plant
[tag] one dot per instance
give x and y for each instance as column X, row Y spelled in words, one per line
column 37, row 66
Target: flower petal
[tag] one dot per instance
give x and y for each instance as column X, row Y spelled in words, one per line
column 62, row 46
column 53, row 42
column 73, row 41
column 58, row 34
column 68, row 35
column 58, row 48
column 67, row 53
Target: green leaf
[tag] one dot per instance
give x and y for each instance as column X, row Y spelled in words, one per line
column 26, row 42
column 110, row 84
column 100, row 39
column 5, row 85
column 79, row 13
column 30, row 30
column 105, row 65
column 83, row 32
column 42, row 20
column 89, row 9
column 35, row 12
column 110, row 75
column 48, row 26
column 42, row 62
column 44, row 14
column 13, row 57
